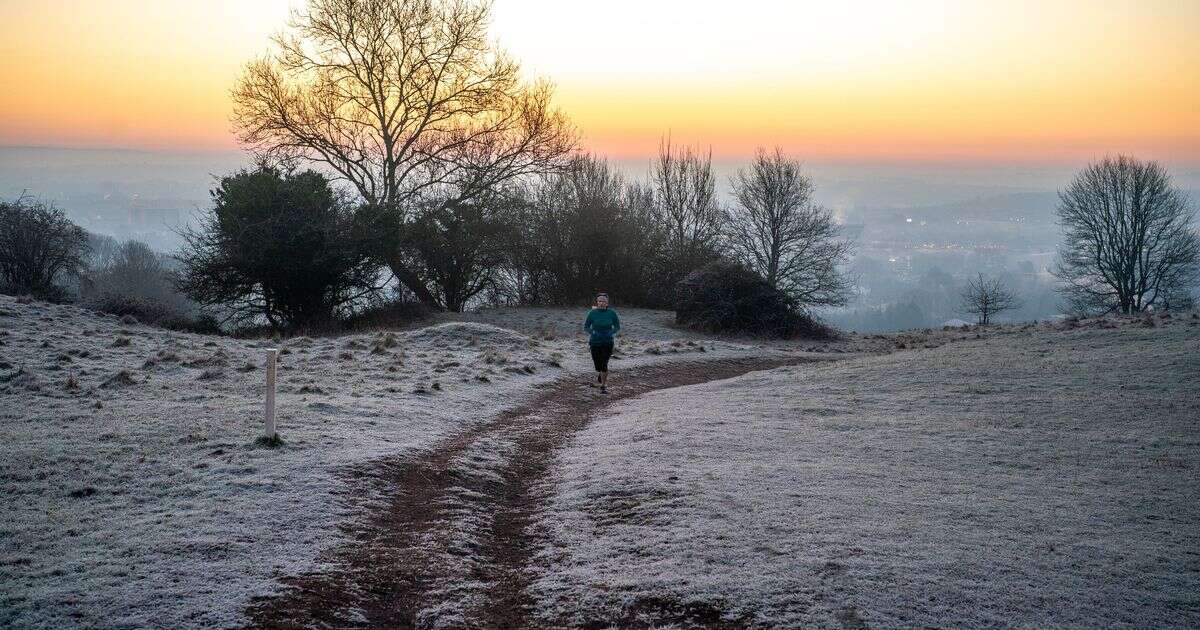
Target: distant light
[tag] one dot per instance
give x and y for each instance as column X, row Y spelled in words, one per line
column 909, row 220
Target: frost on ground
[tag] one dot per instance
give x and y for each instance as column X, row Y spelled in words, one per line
column 133, row 491
column 652, row 332
column 131, row 488
column 1033, row 478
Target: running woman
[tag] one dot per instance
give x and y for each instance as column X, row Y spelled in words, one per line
column 602, row 324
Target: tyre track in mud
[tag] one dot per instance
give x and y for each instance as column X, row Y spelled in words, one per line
column 442, row 537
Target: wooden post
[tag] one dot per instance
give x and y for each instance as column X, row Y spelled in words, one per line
column 272, row 356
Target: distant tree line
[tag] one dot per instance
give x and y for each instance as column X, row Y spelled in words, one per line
column 284, row 247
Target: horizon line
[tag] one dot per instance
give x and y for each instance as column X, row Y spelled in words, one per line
column 959, row 159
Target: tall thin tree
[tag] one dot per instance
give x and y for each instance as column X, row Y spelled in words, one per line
column 685, row 204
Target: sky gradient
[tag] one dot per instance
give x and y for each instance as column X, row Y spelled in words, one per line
column 1057, row 81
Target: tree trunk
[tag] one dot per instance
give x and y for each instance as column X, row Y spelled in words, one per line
column 413, row 283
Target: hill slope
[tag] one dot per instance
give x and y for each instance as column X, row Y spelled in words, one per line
column 1035, row 477
column 133, row 492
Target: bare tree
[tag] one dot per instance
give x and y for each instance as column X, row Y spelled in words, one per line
column 780, row 232
column 39, row 248
column 461, row 247
column 986, row 297
column 400, row 98
column 686, row 206
column 1175, row 298
column 587, row 230
column 1128, row 239
column 134, row 270
column 102, row 250
column 133, row 279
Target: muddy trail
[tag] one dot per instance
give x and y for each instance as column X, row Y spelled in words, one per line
column 442, row 537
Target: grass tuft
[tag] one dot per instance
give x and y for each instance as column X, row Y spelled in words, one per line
column 269, row 442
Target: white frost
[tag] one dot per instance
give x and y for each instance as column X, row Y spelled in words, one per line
column 1031, row 478
column 131, row 489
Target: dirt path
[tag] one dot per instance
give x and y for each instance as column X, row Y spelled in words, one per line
column 443, row 536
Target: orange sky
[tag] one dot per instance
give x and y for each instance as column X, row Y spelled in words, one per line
column 1012, row 80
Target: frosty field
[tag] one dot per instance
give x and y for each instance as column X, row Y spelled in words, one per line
column 133, row 492
column 1039, row 478
column 1023, row 476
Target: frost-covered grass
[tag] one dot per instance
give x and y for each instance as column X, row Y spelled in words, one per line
column 1036, row 477
column 131, row 488
column 133, row 492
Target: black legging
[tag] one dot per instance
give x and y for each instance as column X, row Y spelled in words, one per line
column 600, row 354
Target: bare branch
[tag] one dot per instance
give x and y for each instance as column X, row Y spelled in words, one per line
column 987, row 297
column 1128, row 238
column 780, row 232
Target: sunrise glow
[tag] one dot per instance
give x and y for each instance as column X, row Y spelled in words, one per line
column 1014, row 81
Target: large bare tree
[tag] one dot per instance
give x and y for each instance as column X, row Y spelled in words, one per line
column 401, row 99
column 778, row 230
column 1128, row 238
column 986, row 297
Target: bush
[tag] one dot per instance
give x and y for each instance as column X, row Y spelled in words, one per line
column 152, row 312
column 39, row 249
column 459, row 246
column 372, row 314
column 130, row 279
column 281, row 247
column 586, row 230
column 131, row 268
column 387, row 315
column 728, row 298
